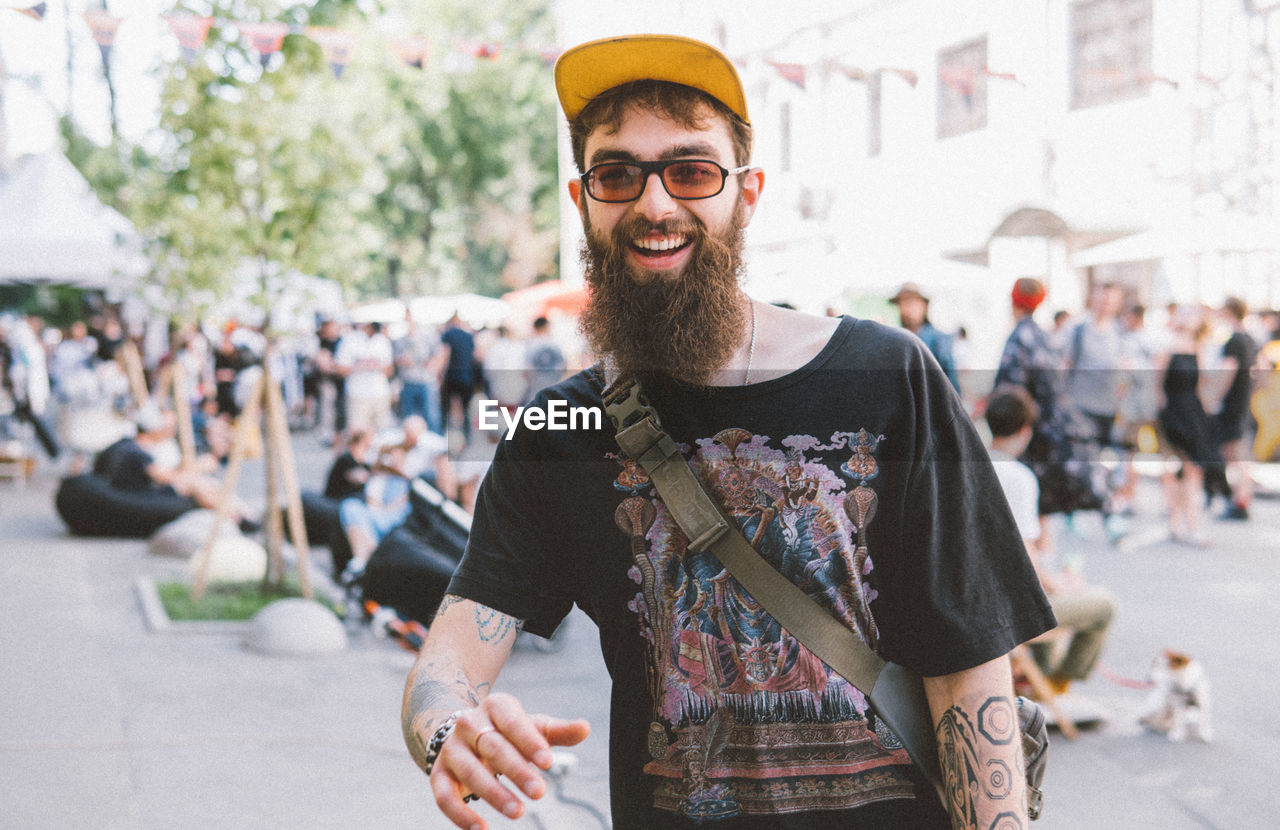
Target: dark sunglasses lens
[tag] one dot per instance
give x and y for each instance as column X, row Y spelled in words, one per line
column 693, row 179
column 616, row 182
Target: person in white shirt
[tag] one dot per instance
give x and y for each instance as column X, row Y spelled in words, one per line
column 1086, row 610
column 365, row 359
column 71, row 366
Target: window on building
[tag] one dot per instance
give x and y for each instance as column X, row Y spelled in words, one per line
column 1110, row 51
column 873, row 114
column 962, row 88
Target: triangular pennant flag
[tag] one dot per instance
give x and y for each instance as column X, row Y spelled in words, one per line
column 908, row 75
column 959, row 78
column 793, row 72
column 191, row 31
column 104, row 26
column 35, row 12
column 265, row 38
column 487, row 51
column 336, row 44
column 1004, row 76
column 411, row 50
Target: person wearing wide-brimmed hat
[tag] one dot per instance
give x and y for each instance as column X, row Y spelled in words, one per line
column 913, row 314
column 835, row 446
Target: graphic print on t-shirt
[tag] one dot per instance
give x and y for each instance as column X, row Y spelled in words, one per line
column 746, row 720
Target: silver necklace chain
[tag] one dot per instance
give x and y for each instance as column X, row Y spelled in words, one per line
column 751, row 350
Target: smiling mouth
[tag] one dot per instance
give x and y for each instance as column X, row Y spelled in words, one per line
column 661, row 246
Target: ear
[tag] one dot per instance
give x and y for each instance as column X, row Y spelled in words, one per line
column 577, row 195
column 752, row 187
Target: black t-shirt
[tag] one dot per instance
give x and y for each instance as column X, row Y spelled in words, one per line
column 128, row 467
column 462, row 353
column 861, row 478
column 339, row 484
column 1235, row 404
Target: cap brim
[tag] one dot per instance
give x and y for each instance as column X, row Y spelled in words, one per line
column 585, row 71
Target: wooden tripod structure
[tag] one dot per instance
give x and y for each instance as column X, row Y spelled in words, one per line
column 263, row 414
column 265, row 407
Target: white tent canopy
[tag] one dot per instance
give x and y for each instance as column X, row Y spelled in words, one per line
column 53, row 229
column 1188, row 236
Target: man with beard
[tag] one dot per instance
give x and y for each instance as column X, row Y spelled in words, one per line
column 838, row 448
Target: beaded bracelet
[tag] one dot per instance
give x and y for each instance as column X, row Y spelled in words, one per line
column 436, row 743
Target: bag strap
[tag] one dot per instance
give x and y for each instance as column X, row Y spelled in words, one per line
column 896, row 693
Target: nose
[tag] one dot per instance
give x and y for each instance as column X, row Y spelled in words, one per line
column 655, row 203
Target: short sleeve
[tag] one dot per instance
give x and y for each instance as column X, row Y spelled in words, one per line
column 511, row 563
column 956, row 587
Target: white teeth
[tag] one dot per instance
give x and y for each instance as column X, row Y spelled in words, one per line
column 666, row 243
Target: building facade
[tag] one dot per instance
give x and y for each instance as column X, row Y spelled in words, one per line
column 962, row 144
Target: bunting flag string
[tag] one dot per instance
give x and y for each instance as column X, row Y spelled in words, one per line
column 336, row 45
column 412, row 51
column 191, row 32
column 103, row 25
column 479, row 49
column 855, row 73
column 959, row 78
column 266, row 38
column 36, row 12
column 1004, row 76
column 793, row 72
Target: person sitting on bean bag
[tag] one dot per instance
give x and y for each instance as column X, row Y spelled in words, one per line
column 380, row 508
column 151, row 462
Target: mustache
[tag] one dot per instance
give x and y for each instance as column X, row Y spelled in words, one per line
column 637, row 226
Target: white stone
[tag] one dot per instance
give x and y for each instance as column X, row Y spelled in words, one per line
column 232, row 559
column 296, row 627
column 183, row 537
column 93, row 430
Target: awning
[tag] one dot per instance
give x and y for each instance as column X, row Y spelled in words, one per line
column 54, row 229
column 1188, row 236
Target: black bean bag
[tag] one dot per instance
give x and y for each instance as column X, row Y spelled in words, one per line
column 411, row 567
column 324, row 528
column 92, row 507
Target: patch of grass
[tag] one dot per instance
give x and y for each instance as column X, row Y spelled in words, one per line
column 224, row 600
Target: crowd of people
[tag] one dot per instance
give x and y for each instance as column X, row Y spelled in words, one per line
column 1108, row 385
column 1076, row 404
column 383, row 400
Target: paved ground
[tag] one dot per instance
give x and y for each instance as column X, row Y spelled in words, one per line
column 107, row 725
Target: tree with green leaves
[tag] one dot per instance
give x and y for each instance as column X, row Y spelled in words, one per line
column 390, row 179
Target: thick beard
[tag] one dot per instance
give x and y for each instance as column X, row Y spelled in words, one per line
column 687, row 327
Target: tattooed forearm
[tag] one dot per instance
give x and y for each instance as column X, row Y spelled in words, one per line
column 494, row 626
column 980, row 758
column 435, row 689
column 455, row 667
column 958, row 753
column 449, row 599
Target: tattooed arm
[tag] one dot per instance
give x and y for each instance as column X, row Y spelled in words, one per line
column 979, row 746
column 466, row 646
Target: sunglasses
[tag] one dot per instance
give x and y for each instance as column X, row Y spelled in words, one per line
column 687, row 179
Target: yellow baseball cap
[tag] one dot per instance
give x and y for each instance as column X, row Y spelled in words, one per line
column 589, row 69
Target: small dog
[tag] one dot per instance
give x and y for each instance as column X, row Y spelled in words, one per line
column 1178, row 704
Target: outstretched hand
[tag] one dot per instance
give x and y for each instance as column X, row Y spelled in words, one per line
column 498, row 738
